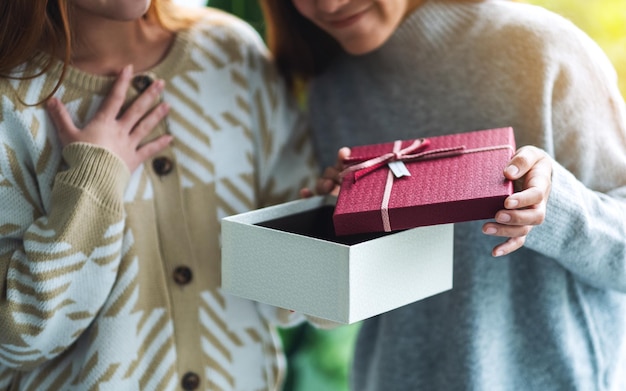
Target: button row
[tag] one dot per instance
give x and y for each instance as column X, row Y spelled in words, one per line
column 161, row 165
column 182, row 274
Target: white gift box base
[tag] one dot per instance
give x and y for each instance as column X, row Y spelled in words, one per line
column 288, row 256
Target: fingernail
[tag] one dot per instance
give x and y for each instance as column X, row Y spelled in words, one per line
column 128, row 69
column 512, row 203
column 51, row 103
column 503, row 218
column 498, row 253
column 512, row 170
column 490, row 231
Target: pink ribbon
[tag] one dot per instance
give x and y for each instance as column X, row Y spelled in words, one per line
column 366, row 165
column 384, row 207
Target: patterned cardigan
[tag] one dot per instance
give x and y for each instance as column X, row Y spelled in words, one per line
column 110, row 280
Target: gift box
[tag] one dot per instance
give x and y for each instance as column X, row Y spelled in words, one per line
column 289, row 256
column 422, row 182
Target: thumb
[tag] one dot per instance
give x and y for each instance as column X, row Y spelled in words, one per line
column 342, row 154
column 61, row 120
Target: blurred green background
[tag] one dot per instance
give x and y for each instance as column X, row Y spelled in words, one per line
column 320, row 360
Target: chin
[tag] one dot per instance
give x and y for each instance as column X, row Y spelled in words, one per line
column 133, row 10
column 365, row 42
column 357, row 49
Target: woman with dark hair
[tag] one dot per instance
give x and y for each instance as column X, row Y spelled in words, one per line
column 550, row 312
column 128, row 128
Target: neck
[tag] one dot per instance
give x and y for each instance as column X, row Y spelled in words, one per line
column 104, row 46
column 412, row 5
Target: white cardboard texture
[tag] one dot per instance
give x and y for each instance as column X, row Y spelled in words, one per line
column 334, row 281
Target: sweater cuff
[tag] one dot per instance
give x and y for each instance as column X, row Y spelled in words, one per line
column 561, row 214
column 97, row 171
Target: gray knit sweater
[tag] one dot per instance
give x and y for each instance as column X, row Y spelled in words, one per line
column 551, row 316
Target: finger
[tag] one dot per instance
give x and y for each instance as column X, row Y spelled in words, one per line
column 511, row 245
column 330, row 177
column 342, row 154
column 148, row 123
column 324, row 186
column 142, row 104
column 332, row 174
column 153, row 147
column 539, row 176
column 526, row 198
column 61, row 120
column 522, row 162
column 306, row 193
column 530, row 216
column 508, row 231
column 116, row 97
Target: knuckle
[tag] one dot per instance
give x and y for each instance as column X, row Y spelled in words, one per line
column 523, row 160
column 100, row 116
column 329, row 172
column 540, row 219
column 526, row 230
column 139, row 128
column 516, row 242
column 117, row 95
column 539, row 194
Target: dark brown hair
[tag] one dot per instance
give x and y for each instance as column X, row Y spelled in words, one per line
column 300, row 48
column 41, row 29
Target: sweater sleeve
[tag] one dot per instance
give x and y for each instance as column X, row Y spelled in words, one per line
column 585, row 225
column 60, row 242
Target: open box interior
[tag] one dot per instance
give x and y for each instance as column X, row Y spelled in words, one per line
column 318, row 223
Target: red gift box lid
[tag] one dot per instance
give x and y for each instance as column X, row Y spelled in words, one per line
column 453, row 178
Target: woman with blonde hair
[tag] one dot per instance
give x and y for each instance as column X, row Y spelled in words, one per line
column 127, row 130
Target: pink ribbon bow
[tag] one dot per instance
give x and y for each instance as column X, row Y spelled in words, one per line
column 365, row 165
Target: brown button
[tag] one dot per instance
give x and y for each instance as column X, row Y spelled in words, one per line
column 162, row 165
column 190, row 381
column 141, row 82
column 182, row 275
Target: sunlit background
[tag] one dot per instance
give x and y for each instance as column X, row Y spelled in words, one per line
column 320, row 360
column 603, row 20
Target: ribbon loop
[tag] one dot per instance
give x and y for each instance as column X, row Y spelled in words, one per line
column 366, row 165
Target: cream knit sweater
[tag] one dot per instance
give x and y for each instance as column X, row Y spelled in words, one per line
column 110, row 280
